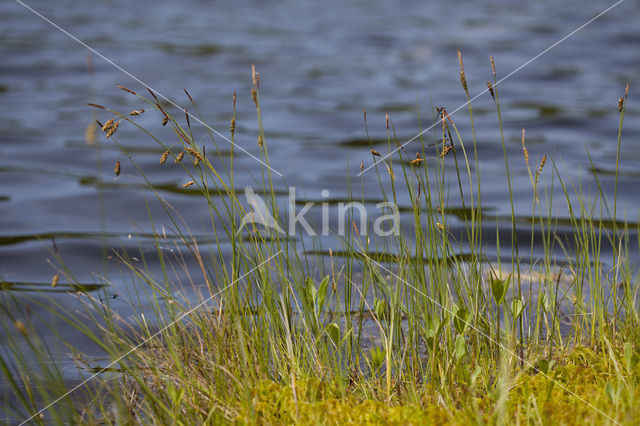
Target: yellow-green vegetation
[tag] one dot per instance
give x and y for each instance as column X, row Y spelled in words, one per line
column 418, row 326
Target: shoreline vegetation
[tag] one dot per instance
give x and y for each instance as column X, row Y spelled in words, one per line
column 410, row 328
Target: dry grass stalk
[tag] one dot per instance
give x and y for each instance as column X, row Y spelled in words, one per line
column 164, row 156
column 179, row 157
column 116, row 168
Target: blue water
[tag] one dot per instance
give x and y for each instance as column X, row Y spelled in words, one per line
column 320, row 65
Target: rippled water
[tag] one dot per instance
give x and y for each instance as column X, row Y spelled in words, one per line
column 320, row 65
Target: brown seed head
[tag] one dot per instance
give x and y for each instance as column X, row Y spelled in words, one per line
column 417, row 162
column 376, row 153
column 254, row 96
column 257, row 80
column 544, row 160
column 393, row 177
column 186, row 114
column 195, row 153
column 446, row 150
column 620, row 104
column 152, row 94
column 233, row 126
column 188, row 184
column 113, row 129
column 54, row 280
column 260, row 140
column 493, row 66
column 234, row 102
column 179, row 157
column 188, row 95
column 463, row 79
column 164, row 156
column 364, row 112
column 95, row 105
column 253, row 74
column 116, row 168
column 387, row 118
column 127, row 90
column 196, row 162
column 165, row 120
column 524, row 150
column 490, row 87
column 107, row 125
column 626, row 90
column 137, row 112
column 361, row 165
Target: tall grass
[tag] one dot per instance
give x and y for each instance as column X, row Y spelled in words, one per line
column 417, row 325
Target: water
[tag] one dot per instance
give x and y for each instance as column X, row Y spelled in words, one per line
column 320, row 65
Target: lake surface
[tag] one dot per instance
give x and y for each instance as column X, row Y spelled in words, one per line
column 320, row 65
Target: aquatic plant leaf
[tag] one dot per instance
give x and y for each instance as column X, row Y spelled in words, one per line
column 333, row 330
column 462, row 319
column 321, row 295
column 499, row 289
column 516, row 307
column 461, row 347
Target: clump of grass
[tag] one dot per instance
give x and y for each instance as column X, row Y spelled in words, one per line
column 414, row 326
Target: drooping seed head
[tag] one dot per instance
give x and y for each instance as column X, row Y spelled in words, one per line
column 179, row 157
column 137, row 112
column 164, row 156
column 542, row 162
column 113, row 129
column 107, row 125
column 376, row 153
column 128, row 90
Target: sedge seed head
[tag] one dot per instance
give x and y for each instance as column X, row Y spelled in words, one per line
column 107, row 125
column 112, row 129
column 626, row 90
column 254, row 96
column 260, row 140
column 137, row 112
column 233, row 126
column 116, row 168
column 188, row 184
column 164, row 156
column 620, row 104
column 179, row 157
column 490, row 87
column 165, row 120
column 376, row 153
column 54, row 281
